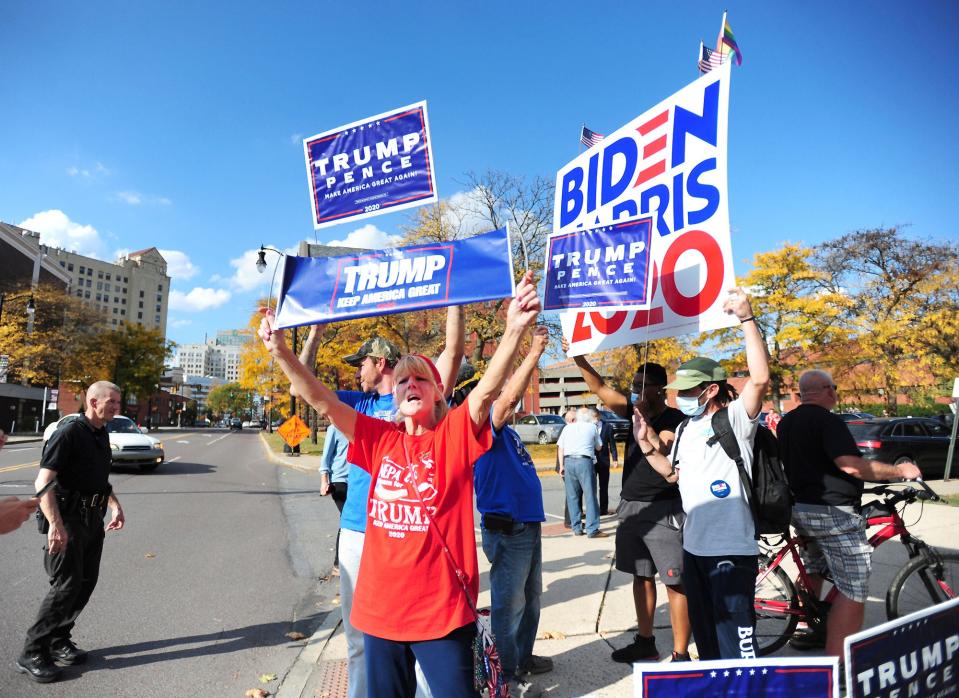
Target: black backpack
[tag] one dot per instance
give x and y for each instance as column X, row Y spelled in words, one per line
column 770, row 498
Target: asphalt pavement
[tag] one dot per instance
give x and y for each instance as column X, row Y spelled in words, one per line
column 223, row 554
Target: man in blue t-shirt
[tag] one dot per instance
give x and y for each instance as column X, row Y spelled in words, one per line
column 510, row 498
column 374, row 362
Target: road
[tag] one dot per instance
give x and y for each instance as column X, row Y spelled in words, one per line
column 224, row 552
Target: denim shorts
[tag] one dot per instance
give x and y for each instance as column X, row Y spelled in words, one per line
column 837, row 545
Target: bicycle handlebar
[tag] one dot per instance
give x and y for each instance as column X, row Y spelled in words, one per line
column 893, row 495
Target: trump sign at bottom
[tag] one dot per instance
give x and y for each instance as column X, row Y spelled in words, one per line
column 813, row 678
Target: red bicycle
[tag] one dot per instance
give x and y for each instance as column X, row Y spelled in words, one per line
column 929, row 576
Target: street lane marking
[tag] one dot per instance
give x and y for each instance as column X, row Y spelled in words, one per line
column 219, row 439
column 11, row 468
column 181, row 441
column 173, row 460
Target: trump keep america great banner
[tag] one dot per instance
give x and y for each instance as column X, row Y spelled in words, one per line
column 381, row 282
column 668, row 164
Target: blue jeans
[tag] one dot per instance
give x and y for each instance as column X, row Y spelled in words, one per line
column 516, row 585
column 581, row 479
column 447, row 664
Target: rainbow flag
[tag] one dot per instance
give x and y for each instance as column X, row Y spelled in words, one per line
column 727, row 42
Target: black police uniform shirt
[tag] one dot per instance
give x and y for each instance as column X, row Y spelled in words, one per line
column 640, row 482
column 810, row 439
column 80, row 455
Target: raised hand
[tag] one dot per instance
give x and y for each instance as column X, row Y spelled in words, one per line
column 273, row 339
column 540, row 340
column 640, row 426
column 524, row 306
column 738, row 304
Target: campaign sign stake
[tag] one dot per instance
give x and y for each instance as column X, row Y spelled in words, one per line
column 668, row 164
column 381, row 282
column 916, row 655
column 603, row 267
column 378, row 165
column 816, row 677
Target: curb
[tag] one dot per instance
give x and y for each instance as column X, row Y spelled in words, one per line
column 276, row 458
column 299, row 674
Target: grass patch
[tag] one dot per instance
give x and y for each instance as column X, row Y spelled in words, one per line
column 307, row 447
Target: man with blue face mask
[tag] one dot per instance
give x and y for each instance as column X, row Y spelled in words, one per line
column 719, row 549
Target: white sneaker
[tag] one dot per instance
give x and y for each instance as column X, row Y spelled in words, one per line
column 518, row 688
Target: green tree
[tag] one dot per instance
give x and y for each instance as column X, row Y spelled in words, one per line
column 901, row 314
column 230, row 398
column 138, row 356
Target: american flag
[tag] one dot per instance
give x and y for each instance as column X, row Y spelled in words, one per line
column 710, row 59
column 590, row 138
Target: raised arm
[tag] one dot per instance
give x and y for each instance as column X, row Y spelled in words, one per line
column 448, row 363
column 522, row 312
column 308, row 352
column 302, row 380
column 658, row 461
column 517, row 384
column 614, row 400
column 757, row 360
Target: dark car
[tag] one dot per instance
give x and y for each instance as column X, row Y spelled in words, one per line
column 896, row 439
column 236, row 423
column 620, row 425
column 852, row 416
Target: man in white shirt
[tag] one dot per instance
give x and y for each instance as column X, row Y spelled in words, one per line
column 576, row 450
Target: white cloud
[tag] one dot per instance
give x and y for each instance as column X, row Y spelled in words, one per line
column 180, row 323
column 57, row 230
column 296, row 139
column 199, row 299
column 369, row 237
column 135, row 198
column 178, row 265
column 88, row 173
column 246, row 276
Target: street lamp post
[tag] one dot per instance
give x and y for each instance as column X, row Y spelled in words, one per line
column 261, row 267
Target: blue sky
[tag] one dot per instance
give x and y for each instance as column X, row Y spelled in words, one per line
column 179, row 124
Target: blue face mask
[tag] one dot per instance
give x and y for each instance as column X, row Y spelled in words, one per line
column 690, row 406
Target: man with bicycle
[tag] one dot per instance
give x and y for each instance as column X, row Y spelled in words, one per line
column 826, row 472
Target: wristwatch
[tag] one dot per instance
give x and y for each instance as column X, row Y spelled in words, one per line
column 651, row 452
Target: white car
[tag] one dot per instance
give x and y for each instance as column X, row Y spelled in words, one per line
column 129, row 445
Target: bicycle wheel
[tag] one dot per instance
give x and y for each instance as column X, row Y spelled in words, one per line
column 922, row 583
column 777, row 609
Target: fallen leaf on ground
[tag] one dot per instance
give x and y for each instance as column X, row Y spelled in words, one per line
column 552, row 635
column 256, row 693
column 150, row 556
column 266, row 678
column 295, row 635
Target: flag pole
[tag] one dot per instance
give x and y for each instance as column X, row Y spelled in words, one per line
column 722, row 30
column 699, row 58
column 582, row 146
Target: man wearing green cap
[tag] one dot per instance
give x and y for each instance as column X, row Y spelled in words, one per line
column 719, row 547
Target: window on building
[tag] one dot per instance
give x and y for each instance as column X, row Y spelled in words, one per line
column 139, row 316
column 86, row 294
column 156, row 319
column 141, row 294
column 89, row 271
column 140, row 304
column 122, row 311
column 99, row 285
column 123, row 300
column 99, row 274
column 89, row 283
column 115, row 311
column 159, row 287
column 158, row 308
column 159, row 298
column 125, row 280
column 63, row 264
column 108, row 276
column 106, row 287
column 70, row 266
column 98, row 296
column 116, row 300
column 114, row 321
column 81, row 270
column 79, row 294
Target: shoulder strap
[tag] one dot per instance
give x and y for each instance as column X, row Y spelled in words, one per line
column 460, row 575
column 679, row 433
column 723, row 433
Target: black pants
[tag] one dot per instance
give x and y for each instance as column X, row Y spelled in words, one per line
column 721, row 595
column 602, row 471
column 338, row 493
column 73, row 577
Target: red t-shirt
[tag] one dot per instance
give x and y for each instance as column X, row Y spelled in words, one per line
column 406, row 589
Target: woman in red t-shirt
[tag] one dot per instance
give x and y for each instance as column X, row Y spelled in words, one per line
column 408, row 601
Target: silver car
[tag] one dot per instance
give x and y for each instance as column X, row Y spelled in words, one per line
column 540, row 428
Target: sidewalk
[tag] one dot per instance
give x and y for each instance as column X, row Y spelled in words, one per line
column 587, row 610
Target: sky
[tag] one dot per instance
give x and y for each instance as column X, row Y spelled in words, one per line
column 179, row 125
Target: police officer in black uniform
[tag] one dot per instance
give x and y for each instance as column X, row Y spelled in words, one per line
column 78, row 457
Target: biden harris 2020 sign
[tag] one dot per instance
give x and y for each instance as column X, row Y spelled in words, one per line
column 668, row 164
column 378, row 165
